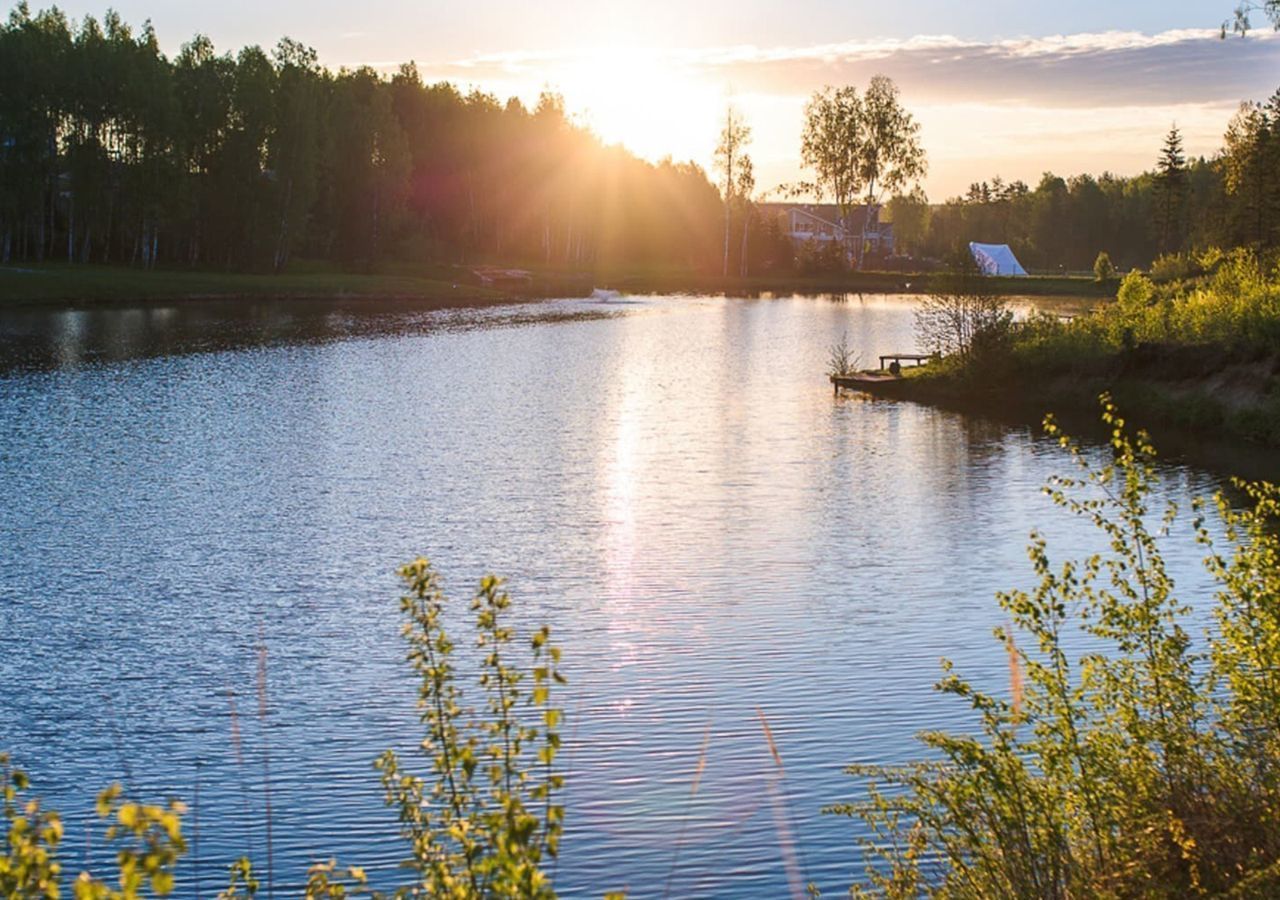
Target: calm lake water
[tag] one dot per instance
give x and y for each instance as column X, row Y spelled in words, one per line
column 668, row 482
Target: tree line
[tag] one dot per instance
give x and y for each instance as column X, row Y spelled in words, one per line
column 112, row 152
column 1180, row 205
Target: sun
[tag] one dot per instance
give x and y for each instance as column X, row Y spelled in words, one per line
column 648, row 100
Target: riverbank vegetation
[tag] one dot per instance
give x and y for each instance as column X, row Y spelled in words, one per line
column 62, row 283
column 1143, row 765
column 1195, row 349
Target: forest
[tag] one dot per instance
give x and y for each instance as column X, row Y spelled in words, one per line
column 111, row 152
column 1180, row 205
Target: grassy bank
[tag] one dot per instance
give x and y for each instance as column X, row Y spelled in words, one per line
column 64, row 283
column 1199, row 355
column 841, row 283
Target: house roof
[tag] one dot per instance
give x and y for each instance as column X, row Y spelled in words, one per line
column 829, row 213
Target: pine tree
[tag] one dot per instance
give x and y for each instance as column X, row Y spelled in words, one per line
column 1171, row 182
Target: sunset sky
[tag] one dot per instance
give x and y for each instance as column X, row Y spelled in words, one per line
column 1020, row 88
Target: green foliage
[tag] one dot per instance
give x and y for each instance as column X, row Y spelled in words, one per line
column 861, row 145
column 1103, row 270
column 153, row 844
column 1234, row 311
column 1175, row 267
column 483, row 825
column 326, row 880
column 909, row 214
column 29, row 866
column 1145, row 767
column 1237, row 306
column 820, row 257
column 1170, row 192
column 486, row 822
column 1242, row 22
column 1251, row 175
column 149, row 838
column 242, row 882
column 734, row 167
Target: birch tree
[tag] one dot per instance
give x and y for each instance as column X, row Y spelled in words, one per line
column 834, row 125
column 294, row 144
column 890, row 156
column 861, row 147
column 746, row 187
column 734, row 137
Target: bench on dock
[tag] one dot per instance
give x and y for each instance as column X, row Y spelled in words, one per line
column 918, row 358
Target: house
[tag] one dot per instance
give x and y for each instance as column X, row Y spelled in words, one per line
column 821, row 223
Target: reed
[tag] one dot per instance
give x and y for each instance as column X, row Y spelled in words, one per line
column 698, row 770
column 1015, row 671
column 782, row 814
column 266, row 758
column 237, row 748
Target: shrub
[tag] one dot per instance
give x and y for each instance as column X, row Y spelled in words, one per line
column 842, row 360
column 1147, row 768
column 962, row 317
column 486, row 821
column 1175, row 267
column 1236, row 307
column 1103, row 270
column 821, row 257
column 149, row 841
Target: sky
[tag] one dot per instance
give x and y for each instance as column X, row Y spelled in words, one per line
column 1014, row 89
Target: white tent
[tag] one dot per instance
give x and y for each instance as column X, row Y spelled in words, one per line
column 996, row 259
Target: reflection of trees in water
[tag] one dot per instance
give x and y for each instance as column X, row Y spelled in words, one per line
column 43, row 339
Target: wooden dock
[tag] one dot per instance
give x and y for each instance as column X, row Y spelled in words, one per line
column 862, row 381
column 889, row 373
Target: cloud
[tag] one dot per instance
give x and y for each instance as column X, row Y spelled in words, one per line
column 1112, row 69
column 1071, row 103
column 1104, row 69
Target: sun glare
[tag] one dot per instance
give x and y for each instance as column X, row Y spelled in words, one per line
column 644, row 99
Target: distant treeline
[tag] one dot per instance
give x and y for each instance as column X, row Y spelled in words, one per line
column 111, row 152
column 1232, row 200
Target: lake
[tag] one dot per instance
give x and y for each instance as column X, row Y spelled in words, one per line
column 669, row 483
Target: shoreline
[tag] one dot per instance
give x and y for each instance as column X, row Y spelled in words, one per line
column 1208, row 413
column 62, row 284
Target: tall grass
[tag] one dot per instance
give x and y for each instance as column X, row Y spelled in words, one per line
column 266, row 760
column 783, row 826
